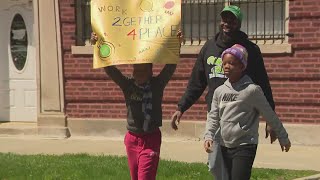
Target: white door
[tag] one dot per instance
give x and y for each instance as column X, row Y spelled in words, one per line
column 18, row 89
column 4, row 72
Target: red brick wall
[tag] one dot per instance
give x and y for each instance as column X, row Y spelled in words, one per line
column 89, row 93
column 295, row 78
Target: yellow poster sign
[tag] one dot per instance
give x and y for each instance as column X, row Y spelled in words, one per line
column 135, row 31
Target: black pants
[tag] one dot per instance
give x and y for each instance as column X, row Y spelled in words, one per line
column 239, row 161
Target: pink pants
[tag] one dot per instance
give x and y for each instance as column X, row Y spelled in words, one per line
column 143, row 154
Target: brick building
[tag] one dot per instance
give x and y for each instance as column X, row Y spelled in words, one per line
column 72, row 97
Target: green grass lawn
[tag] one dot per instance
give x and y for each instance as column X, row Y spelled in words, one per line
column 83, row 166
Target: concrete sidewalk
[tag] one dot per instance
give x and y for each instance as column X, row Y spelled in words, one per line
column 178, row 149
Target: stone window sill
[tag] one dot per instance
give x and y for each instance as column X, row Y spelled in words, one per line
column 195, row 49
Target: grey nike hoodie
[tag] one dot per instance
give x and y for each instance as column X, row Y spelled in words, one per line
column 236, row 109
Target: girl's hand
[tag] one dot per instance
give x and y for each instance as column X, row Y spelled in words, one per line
column 94, row 38
column 208, row 146
column 180, row 36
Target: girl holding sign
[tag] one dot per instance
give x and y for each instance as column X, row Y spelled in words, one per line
column 143, row 94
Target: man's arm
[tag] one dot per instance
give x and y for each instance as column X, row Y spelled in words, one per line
column 196, row 85
column 264, row 83
column 260, row 77
column 257, row 71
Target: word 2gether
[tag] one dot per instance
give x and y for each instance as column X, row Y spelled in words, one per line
column 133, row 21
column 147, row 31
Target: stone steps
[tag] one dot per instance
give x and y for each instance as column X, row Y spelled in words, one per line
column 32, row 129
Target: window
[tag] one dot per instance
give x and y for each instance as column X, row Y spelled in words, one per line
column 200, row 19
column 19, row 42
column 263, row 20
column 83, row 19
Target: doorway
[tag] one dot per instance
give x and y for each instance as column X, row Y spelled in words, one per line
column 18, row 87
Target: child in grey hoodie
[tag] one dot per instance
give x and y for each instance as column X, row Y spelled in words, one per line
column 235, row 108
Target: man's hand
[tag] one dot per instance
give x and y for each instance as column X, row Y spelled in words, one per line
column 94, row 38
column 175, row 119
column 208, row 146
column 180, row 36
column 271, row 133
column 286, row 147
